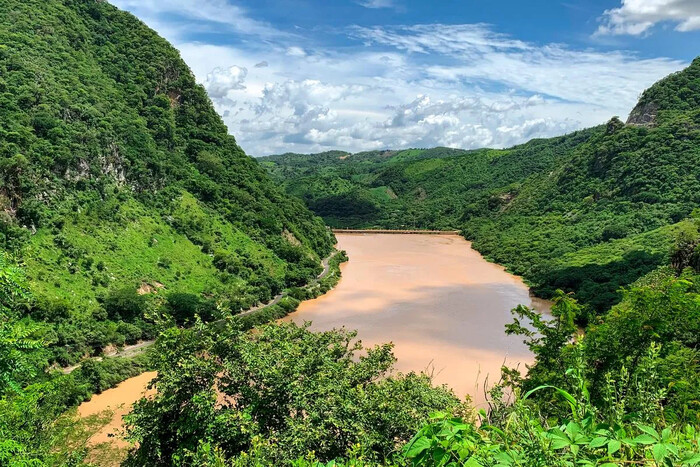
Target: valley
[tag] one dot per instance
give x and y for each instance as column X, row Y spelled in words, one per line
column 539, row 307
column 441, row 305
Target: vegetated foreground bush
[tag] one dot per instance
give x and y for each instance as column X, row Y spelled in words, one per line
column 278, row 393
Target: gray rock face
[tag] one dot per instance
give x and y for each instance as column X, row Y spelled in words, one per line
column 644, row 113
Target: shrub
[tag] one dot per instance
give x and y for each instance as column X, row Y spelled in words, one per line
column 125, row 304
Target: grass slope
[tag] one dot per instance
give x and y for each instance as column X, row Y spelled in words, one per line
column 116, row 174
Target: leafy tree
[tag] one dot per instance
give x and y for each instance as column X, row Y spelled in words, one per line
column 125, row 303
column 15, row 337
column 304, row 392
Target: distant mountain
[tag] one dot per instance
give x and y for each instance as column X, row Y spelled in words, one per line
column 588, row 212
column 118, row 178
column 679, row 92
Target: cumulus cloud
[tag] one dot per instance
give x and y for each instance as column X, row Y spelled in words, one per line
column 390, row 92
column 635, row 17
column 463, row 85
column 220, row 81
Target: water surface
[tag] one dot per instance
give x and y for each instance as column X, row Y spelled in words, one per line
column 442, row 305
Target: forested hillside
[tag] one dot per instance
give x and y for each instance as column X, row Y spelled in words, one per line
column 125, row 208
column 586, row 212
column 120, row 186
column 128, row 213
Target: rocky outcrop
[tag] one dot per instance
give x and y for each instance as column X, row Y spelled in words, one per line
column 644, row 113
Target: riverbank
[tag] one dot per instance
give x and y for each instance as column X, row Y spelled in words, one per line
column 442, row 305
column 117, row 401
column 316, row 287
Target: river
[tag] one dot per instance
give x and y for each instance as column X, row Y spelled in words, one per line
column 442, row 305
column 439, row 301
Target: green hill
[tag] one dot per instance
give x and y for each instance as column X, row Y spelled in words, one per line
column 539, row 207
column 127, row 211
column 117, row 176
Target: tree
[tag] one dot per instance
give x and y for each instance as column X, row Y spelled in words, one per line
column 125, row 303
column 15, row 337
column 299, row 391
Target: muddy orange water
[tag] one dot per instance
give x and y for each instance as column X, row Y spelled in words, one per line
column 442, row 305
column 117, row 400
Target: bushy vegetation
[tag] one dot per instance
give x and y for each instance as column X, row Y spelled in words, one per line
column 624, row 393
column 127, row 212
column 36, row 422
column 278, row 393
column 117, row 177
column 125, row 208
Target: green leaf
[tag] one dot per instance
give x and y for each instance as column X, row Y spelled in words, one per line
column 503, row 458
column 557, row 433
column 573, row 428
column 659, row 451
column 613, row 446
column 417, row 446
column 560, row 443
column 575, row 448
column 691, row 459
column 665, row 434
column 569, row 398
column 649, row 430
column 644, row 439
column 598, row 442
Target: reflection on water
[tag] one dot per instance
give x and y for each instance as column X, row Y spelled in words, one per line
column 441, row 304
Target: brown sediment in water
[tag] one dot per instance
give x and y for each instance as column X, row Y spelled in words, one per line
column 442, row 305
column 117, row 400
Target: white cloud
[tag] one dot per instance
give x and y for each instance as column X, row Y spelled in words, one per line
column 220, row 81
column 395, row 87
column 487, row 90
column 220, row 12
column 637, row 17
column 296, row 52
column 460, row 39
column 377, row 3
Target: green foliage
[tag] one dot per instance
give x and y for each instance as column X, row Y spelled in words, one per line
column 640, row 359
column 278, row 393
column 667, row 313
column 686, row 250
column 184, row 307
column 125, row 304
column 116, row 174
column 127, row 204
column 530, row 440
column 34, row 426
column 16, row 337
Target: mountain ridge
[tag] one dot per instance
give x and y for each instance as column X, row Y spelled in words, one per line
column 536, row 206
column 118, row 177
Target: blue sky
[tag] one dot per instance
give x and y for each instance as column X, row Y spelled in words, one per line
column 312, row 75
